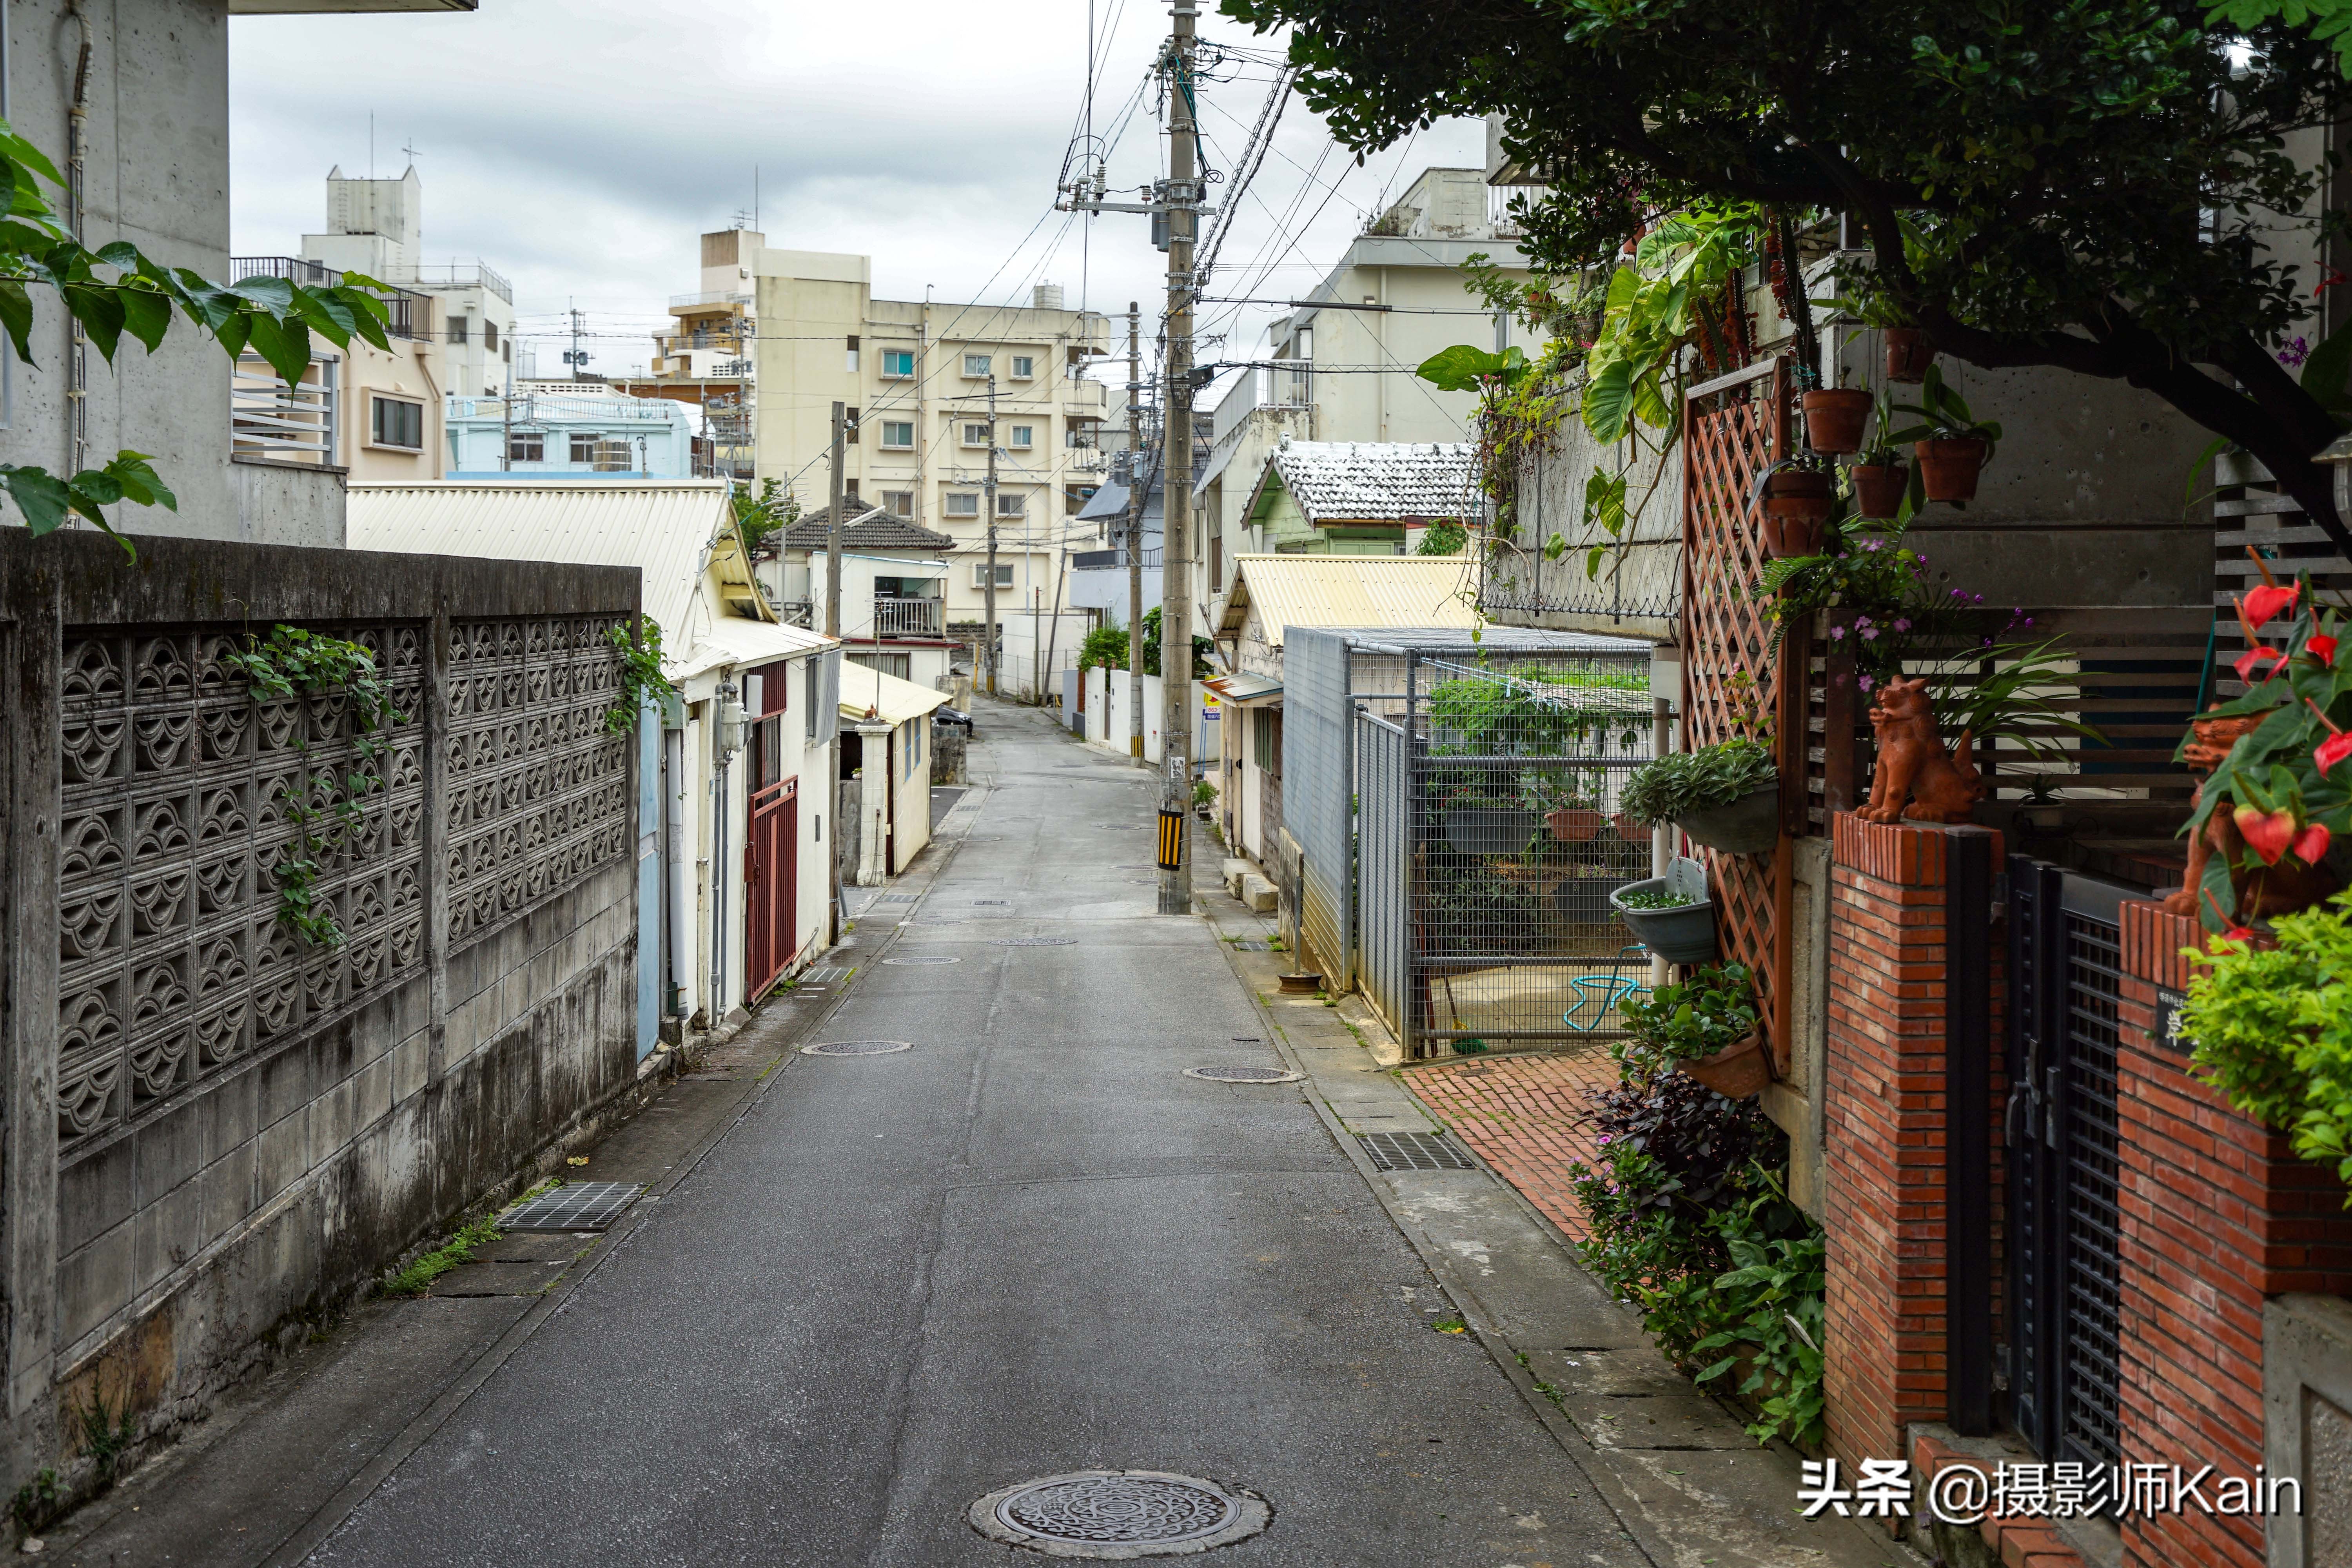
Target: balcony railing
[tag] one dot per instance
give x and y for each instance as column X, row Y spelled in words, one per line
column 460, row 275
column 406, row 315
column 906, row 617
column 1285, row 384
column 284, row 424
column 714, row 297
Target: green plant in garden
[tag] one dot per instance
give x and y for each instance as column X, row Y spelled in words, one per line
column 1444, row 537
column 765, row 514
column 1201, row 648
column 1680, row 783
column 1103, row 647
column 2117, row 190
column 1711, row 1011
column 2273, row 1029
column 1660, row 898
column 1775, row 1300
column 641, row 675
column 118, row 290
column 296, row 663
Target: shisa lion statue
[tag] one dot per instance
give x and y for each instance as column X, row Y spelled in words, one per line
column 1913, row 765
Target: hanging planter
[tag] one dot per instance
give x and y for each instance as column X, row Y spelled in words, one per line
column 1878, row 488
column 1950, row 444
column 1490, row 830
column 1784, row 537
column 1834, row 417
column 1574, row 824
column 1909, row 352
column 1738, row 1071
column 1748, row 825
column 1797, row 506
column 1949, row 467
column 1630, row 827
column 1679, row 933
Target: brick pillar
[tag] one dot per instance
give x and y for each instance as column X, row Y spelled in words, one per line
column 2217, row 1214
column 1884, row 1114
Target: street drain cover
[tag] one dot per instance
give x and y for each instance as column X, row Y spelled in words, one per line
column 978, row 903
column 1120, row 1514
column 1254, row 944
column 897, row 898
column 582, row 1206
column 858, row 1048
column 1413, row 1152
column 922, row 960
column 1039, row 942
column 1243, row 1075
column 825, row 974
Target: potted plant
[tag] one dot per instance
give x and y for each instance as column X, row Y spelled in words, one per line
column 1727, row 795
column 1671, row 915
column 1480, row 825
column 1574, row 824
column 1910, row 354
column 1951, row 445
column 1835, row 416
column 1708, row 1027
column 1879, row 477
column 1797, row 503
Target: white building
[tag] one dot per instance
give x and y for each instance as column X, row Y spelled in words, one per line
column 376, row 227
column 571, row 433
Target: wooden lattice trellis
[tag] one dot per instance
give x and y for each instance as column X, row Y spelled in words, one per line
column 1736, row 425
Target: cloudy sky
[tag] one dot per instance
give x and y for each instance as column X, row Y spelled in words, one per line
column 580, row 146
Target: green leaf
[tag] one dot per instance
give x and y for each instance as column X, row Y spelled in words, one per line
column 40, row 495
column 285, row 344
column 16, row 318
column 99, row 310
column 146, row 315
column 1608, row 400
column 2328, row 368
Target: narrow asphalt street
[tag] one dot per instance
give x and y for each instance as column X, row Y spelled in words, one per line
column 1028, row 1245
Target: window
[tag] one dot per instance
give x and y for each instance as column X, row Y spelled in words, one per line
column 898, row 664
column 915, row 744
column 976, row 365
column 1024, row 367
column 849, row 493
column 1010, row 505
column 850, row 361
column 897, row 364
column 1024, row 438
column 526, row 446
column 899, row 503
column 490, row 336
column 392, row 422
column 1003, row 574
column 975, row 434
column 583, row 446
column 458, row 328
column 963, row 503
column 899, row 435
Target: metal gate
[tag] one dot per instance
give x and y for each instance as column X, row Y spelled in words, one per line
column 2064, row 1361
column 1382, row 886
column 770, row 877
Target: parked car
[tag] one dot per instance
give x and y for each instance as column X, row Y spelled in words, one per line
column 952, row 719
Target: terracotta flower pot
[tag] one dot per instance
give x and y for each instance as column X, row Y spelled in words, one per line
column 1878, row 488
column 1949, row 467
column 1783, row 537
column 1629, row 828
column 1908, row 355
column 1834, row 417
column 1736, row 1072
column 1574, row 824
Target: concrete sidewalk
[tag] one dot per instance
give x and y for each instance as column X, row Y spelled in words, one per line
column 1685, row 1479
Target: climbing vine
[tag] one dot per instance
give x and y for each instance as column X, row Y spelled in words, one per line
column 641, row 675
column 294, row 663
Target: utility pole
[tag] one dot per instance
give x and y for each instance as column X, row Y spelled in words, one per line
column 990, row 587
column 833, row 526
column 1176, row 480
column 1137, row 482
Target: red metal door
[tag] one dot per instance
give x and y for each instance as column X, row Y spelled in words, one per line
column 770, row 875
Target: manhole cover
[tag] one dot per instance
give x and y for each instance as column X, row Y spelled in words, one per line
column 922, row 960
column 1243, row 1075
column 858, row 1048
column 581, row 1205
column 1120, row 1514
column 1413, row 1152
column 1039, row 942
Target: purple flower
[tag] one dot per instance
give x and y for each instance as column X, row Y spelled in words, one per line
column 1957, row 594
column 1865, row 683
column 2294, row 352
column 1988, row 642
column 1870, row 545
column 1902, row 625
column 1608, row 1138
column 1870, row 634
column 1837, row 634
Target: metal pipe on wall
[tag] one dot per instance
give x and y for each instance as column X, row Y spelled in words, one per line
column 681, row 920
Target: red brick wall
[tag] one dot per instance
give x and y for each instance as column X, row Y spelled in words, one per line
column 2217, row 1214
column 1884, row 1119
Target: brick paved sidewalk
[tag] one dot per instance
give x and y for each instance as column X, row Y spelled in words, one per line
column 1527, row 1117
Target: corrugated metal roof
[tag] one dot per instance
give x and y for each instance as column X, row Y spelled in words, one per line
column 895, row 701
column 670, row 530
column 1358, row 592
column 736, row 641
column 1386, row 481
column 1245, row 688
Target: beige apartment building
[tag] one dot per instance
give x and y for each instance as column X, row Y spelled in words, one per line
column 706, row 356
column 920, row 374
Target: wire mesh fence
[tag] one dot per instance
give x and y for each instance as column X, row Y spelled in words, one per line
column 1514, row 838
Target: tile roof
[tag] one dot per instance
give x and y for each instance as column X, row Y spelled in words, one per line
column 872, row 529
column 1346, row 481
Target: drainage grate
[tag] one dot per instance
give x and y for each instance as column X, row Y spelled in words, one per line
column 1254, row 944
column 582, row 1206
column 1413, row 1152
column 1245, row 1075
column 825, row 974
column 1039, row 942
column 922, row 960
column 858, row 1048
column 984, row 903
column 1120, row 1514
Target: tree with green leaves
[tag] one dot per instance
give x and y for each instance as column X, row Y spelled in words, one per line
column 116, row 291
column 765, row 514
column 2104, row 186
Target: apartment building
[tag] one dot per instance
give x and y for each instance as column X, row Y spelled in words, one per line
column 705, row 357
column 921, row 373
column 376, row 226
column 578, row 431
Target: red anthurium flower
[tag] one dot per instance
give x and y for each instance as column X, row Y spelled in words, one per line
column 2253, row 658
column 2321, row 649
column 2269, row 833
column 2261, row 604
column 2311, row 845
column 2332, row 751
column 2230, row 928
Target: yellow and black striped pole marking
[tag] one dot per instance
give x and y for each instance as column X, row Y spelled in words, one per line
column 1172, row 840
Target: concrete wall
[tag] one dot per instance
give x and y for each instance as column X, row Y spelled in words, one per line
column 215, row 1127
column 290, row 503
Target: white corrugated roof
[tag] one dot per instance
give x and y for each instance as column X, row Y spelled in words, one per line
column 736, row 641
column 1389, row 481
column 893, row 700
column 666, row 529
column 1406, row 593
